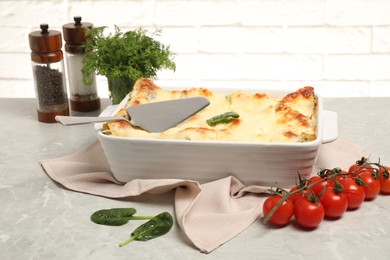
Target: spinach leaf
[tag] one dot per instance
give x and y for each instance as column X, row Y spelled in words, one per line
column 223, row 118
column 155, row 227
column 115, row 216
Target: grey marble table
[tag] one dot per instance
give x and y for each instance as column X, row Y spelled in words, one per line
column 41, row 220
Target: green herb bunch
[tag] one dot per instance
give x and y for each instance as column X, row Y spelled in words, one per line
column 124, row 55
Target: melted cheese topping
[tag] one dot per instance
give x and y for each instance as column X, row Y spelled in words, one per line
column 263, row 118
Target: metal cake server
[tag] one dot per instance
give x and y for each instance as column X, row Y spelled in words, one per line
column 154, row 117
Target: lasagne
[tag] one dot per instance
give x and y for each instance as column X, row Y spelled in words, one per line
column 261, row 117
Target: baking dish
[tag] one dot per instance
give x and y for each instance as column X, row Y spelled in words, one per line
column 266, row 164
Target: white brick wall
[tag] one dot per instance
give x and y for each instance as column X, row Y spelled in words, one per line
column 341, row 47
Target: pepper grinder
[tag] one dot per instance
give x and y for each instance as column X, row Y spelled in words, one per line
column 48, row 73
column 83, row 98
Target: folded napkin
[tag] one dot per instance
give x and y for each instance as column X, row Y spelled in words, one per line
column 210, row 214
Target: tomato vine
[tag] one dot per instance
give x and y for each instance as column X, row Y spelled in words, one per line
column 330, row 193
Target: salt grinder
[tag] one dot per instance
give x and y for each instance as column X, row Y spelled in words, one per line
column 48, row 72
column 83, row 98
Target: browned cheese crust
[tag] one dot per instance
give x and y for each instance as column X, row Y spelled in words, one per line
column 263, row 117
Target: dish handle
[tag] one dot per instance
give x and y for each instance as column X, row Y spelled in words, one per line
column 330, row 127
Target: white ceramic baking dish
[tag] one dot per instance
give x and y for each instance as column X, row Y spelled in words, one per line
column 268, row 164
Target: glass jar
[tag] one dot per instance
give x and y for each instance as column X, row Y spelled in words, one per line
column 83, row 98
column 49, row 75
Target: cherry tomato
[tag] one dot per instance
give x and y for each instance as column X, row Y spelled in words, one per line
column 294, row 198
column 321, row 185
column 342, row 176
column 330, row 184
column 357, row 168
column 335, row 204
column 384, row 180
column 355, row 193
column 371, row 185
column 282, row 215
column 308, row 213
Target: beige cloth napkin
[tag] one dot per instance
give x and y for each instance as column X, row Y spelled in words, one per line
column 210, row 214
